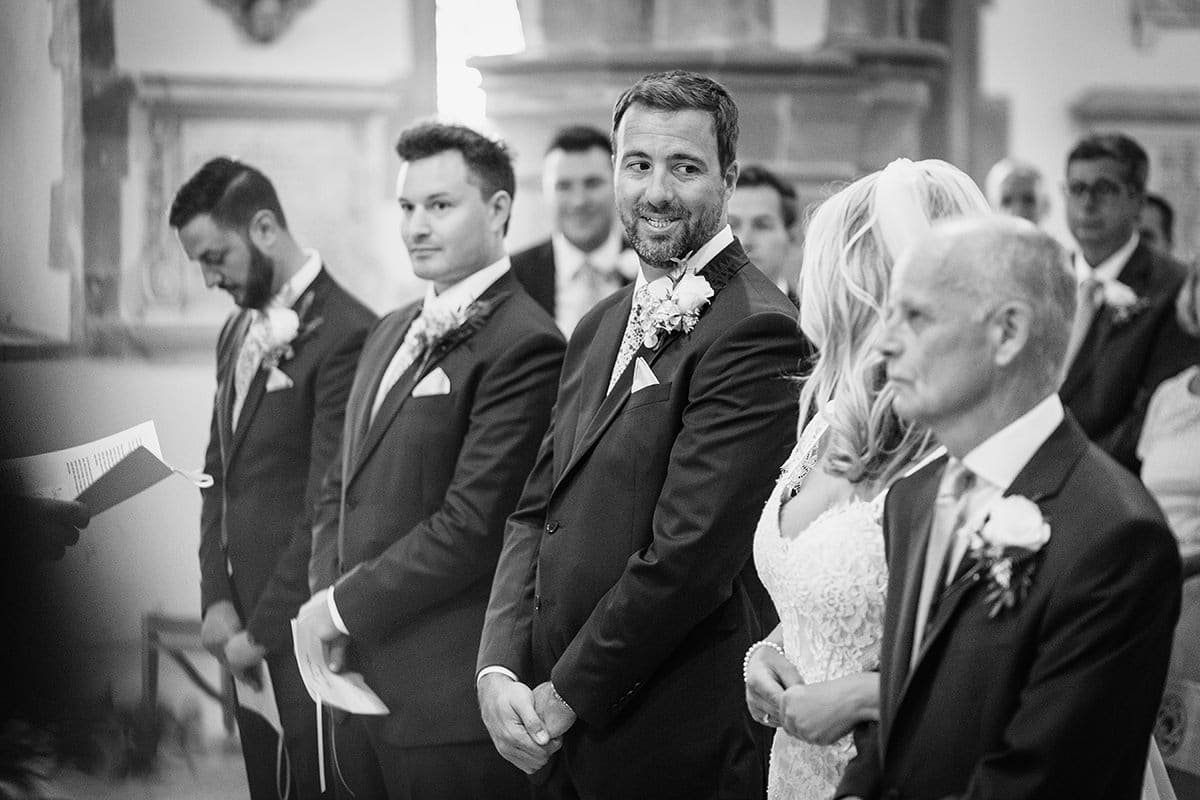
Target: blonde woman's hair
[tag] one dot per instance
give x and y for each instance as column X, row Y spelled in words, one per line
column 851, row 243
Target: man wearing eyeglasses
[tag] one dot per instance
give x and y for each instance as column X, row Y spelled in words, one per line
column 1125, row 339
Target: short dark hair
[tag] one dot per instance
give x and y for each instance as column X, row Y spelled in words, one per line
column 1120, row 148
column 228, row 190
column 679, row 90
column 758, row 175
column 1167, row 212
column 489, row 162
column 580, row 139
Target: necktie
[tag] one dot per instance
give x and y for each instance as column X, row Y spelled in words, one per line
column 1089, row 296
column 949, row 514
column 404, row 357
column 631, row 342
column 254, row 345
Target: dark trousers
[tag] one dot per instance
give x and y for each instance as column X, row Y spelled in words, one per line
column 366, row 767
column 268, row 771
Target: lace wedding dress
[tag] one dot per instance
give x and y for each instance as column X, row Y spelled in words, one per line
column 828, row 583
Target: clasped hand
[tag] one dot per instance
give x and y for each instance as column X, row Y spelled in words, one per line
column 817, row 713
column 526, row 725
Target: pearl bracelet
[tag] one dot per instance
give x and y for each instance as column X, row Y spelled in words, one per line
column 752, row 650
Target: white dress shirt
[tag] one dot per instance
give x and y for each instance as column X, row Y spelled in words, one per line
column 1109, row 268
column 995, row 464
column 998, row 460
column 575, row 290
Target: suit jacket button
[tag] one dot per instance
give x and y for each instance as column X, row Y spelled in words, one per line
column 551, row 526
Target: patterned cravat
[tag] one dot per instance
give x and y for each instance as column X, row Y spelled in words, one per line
column 405, row 355
column 254, row 346
column 631, row 342
column 949, row 514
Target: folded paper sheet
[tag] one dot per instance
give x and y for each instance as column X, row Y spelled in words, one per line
column 101, row 473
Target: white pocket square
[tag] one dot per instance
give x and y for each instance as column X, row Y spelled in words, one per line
column 435, row 383
column 643, row 376
column 278, row 379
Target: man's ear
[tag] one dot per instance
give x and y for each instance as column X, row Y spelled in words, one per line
column 264, row 229
column 730, row 177
column 1009, row 329
column 500, row 206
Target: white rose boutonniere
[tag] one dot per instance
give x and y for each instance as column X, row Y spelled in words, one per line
column 285, row 328
column 674, row 306
column 1123, row 301
column 1004, row 548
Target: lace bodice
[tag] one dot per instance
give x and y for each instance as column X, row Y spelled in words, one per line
column 828, row 583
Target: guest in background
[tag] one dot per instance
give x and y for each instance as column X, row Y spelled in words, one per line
column 1015, row 187
column 285, row 360
column 586, row 257
column 1157, row 226
column 762, row 212
column 1126, row 338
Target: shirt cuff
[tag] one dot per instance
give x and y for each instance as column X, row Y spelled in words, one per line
column 333, row 613
column 497, row 669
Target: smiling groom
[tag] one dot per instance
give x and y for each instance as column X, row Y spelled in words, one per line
column 621, row 606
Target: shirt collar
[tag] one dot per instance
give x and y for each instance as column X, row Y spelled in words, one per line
column 699, row 259
column 1000, row 457
column 298, row 284
column 1109, row 268
column 568, row 258
column 466, row 291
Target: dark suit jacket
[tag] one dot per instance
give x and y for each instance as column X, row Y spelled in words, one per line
column 534, row 268
column 1120, row 364
column 623, row 573
column 1055, row 698
column 267, row 473
column 412, row 515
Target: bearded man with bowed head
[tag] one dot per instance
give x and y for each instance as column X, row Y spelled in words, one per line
column 451, row 399
column 623, row 602
column 1033, row 583
column 285, row 361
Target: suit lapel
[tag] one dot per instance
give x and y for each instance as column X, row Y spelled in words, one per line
column 718, row 272
column 1039, row 480
column 369, row 375
column 922, row 507
column 396, row 397
column 225, row 387
column 598, row 365
column 258, row 384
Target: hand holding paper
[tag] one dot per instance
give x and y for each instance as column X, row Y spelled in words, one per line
column 99, row 474
column 341, row 689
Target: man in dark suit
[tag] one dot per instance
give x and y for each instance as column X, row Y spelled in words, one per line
column 1033, row 583
column 450, row 401
column 622, row 592
column 585, row 259
column 1126, row 339
column 284, row 366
